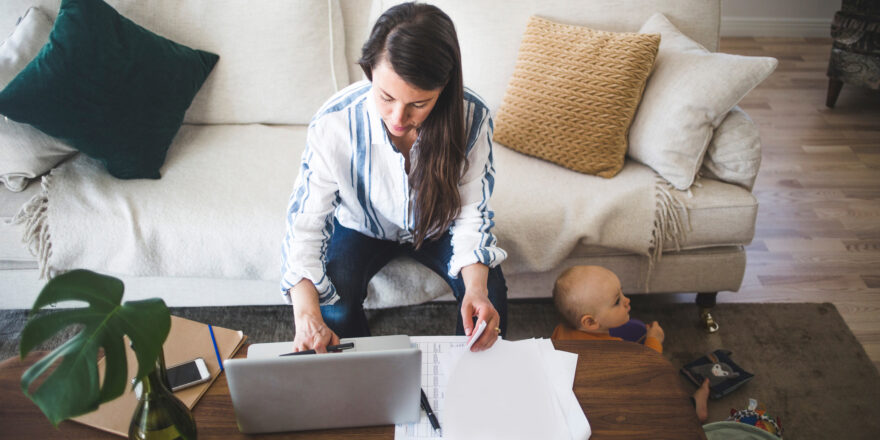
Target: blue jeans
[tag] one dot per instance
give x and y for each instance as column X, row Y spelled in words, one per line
column 353, row 259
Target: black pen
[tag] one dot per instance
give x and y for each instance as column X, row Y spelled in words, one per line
column 430, row 412
column 339, row 347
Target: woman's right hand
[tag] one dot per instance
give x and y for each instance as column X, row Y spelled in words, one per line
column 312, row 332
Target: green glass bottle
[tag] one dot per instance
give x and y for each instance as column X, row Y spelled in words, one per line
column 159, row 414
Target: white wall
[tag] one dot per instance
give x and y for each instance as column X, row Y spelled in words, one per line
column 777, row 18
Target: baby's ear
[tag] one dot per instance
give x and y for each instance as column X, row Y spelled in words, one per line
column 589, row 323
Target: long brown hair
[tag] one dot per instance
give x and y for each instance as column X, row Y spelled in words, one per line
column 420, row 43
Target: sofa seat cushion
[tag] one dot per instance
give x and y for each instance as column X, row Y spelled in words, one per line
column 718, row 214
column 219, row 210
column 234, row 182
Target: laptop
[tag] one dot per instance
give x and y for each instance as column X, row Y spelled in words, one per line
column 377, row 382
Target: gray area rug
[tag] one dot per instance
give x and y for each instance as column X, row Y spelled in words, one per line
column 809, row 368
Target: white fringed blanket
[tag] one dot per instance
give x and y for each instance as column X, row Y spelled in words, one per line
column 218, row 212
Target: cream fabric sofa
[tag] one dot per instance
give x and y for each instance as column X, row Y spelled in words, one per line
column 254, row 114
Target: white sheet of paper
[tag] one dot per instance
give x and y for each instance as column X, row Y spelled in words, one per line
column 476, row 334
column 502, row 393
column 560, row 367
column 433, row 380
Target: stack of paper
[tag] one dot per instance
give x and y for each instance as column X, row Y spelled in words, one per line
column 515, row 390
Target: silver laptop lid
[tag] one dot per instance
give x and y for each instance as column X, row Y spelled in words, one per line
column 375, row 383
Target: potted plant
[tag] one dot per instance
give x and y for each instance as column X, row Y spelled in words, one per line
column 73, row 387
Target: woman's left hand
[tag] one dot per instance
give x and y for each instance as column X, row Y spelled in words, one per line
column 478, row 304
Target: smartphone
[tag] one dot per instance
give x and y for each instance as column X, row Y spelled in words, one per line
column 187, row 374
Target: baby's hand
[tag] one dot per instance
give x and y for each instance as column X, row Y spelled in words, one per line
column 655, row 331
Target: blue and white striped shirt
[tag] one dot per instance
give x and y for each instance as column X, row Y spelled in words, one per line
column 351, row 170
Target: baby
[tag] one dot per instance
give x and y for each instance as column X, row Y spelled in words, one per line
column 592, row 303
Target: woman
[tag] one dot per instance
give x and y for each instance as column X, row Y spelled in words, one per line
column 400, row 164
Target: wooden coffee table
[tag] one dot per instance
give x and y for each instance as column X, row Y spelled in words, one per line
column 627, row 391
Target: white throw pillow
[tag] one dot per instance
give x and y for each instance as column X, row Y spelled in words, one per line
column 734, row 155
column 687, row 96
column 30, row 34
column 25, row 152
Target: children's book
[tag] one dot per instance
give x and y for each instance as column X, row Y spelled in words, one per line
column 724, row 375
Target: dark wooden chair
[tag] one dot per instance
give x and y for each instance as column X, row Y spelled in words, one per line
column 855, row 51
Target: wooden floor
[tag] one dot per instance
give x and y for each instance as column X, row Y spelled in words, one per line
column 818, row 230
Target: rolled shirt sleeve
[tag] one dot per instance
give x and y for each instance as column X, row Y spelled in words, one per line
column 472, row 237
column 310, row 222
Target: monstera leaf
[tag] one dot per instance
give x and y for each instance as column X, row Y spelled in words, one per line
column 73, row 388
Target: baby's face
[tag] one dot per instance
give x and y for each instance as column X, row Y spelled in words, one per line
column 614, row 309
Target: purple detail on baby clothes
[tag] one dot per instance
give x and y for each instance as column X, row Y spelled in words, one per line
column 633, row 331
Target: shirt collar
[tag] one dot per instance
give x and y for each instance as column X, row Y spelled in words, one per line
column 378, row 135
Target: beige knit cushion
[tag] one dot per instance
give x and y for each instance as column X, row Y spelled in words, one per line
column 573, row 95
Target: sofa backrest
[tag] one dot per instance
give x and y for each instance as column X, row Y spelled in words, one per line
column 358, row 22
column 489, row 31
column 279, row 59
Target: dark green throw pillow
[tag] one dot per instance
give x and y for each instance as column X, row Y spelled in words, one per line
column 110, row 88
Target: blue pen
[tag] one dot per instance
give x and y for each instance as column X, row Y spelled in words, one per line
column 216, row 350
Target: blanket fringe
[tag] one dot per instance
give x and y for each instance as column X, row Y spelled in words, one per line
column 671, row 222
column 33, row 215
